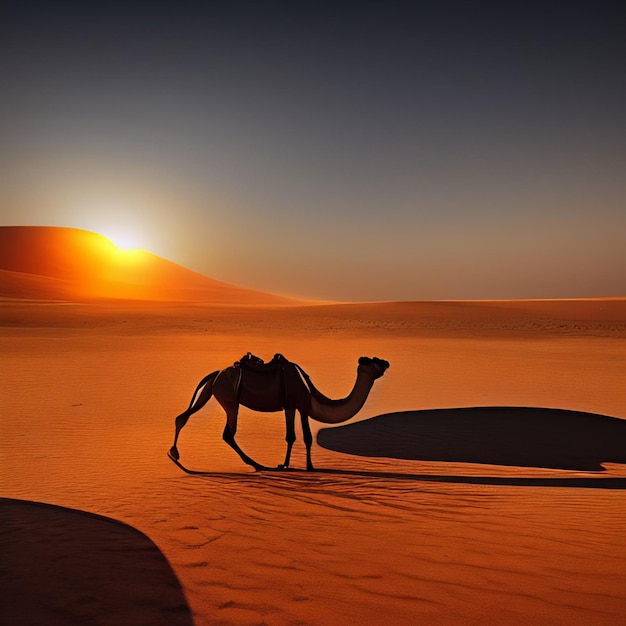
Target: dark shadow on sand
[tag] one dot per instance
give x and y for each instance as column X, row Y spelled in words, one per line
column 505, row 481
column 512, row 436
column 63, row 566
column 579, row 482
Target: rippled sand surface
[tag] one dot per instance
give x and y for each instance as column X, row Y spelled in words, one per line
column 89, row 395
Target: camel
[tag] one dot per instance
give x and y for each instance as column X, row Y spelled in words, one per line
column 275, row 386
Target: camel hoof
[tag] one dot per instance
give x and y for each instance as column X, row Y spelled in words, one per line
column 174, row 453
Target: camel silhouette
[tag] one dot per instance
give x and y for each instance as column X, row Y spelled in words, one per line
column 275, row 386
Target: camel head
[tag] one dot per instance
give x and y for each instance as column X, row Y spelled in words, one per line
column 375, row 367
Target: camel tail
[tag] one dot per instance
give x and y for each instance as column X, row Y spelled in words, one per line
column 209, row 378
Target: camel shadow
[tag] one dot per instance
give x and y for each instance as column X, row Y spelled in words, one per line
column 66, row 566
column 578, row 482
column 510, row 436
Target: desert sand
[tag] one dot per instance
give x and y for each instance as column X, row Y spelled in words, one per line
column 89, row 396
column 483, row 482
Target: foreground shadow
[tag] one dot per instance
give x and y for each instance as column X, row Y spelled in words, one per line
column 64, row 566
column 512, row 436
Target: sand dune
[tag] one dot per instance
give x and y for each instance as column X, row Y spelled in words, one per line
column 22, row 286
column 89, row 394
column 49, row 263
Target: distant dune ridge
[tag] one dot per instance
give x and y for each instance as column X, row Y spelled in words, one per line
column 51, row 263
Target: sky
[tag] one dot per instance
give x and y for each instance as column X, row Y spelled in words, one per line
column 351, row 151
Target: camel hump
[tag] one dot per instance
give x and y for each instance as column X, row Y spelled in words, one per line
column 252, row 363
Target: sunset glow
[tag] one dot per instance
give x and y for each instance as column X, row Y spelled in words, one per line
column 123, row 240
column 473, row 155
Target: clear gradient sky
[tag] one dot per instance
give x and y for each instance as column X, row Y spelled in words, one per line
column 339, row 150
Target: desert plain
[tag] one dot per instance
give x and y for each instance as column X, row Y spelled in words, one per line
column 89, row 395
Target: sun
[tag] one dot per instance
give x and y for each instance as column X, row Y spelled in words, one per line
column 125, row 240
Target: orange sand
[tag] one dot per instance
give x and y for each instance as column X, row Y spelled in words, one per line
column 89, row 394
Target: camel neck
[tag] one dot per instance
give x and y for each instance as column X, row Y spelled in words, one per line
column 330, row 411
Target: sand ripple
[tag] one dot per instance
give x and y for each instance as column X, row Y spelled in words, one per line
column 88, row 402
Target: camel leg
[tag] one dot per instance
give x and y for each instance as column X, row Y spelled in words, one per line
column 229, row 436
column 183, row 418
column 290, row 437
column 308, row 439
